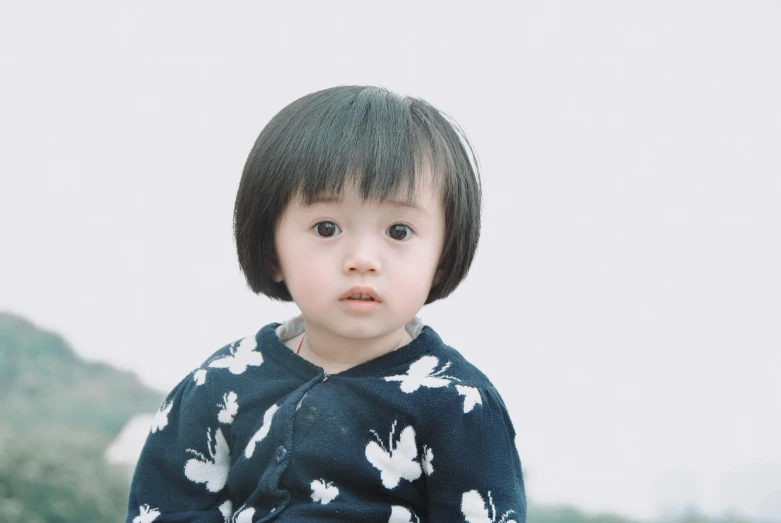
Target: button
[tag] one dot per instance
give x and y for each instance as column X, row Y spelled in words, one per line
column 281, row 453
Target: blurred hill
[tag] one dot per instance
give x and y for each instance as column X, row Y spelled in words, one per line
column 58, row 414
column 44, row 384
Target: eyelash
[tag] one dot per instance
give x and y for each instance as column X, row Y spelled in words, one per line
column 315, row 227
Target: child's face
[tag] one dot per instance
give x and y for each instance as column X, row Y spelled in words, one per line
column 327, row 248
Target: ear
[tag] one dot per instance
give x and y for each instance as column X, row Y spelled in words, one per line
column 276, row 274
column 274, row 268
column 437, row 277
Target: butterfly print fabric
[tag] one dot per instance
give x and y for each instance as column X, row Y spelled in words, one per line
column 256, row 433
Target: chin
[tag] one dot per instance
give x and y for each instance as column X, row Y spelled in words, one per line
column 363, row 330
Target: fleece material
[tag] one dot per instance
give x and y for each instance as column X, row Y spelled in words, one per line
column 257, row 433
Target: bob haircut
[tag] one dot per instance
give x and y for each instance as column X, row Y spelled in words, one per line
column 381, row 142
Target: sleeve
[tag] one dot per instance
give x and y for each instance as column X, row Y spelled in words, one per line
column 183, row 468
column 473, row 471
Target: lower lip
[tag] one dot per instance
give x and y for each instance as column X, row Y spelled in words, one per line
column 360, row 305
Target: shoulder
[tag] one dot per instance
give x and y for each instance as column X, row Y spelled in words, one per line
column 202, row 389
column 239, row 355
column 442, row 380
column 461, row 370
column 230, row 362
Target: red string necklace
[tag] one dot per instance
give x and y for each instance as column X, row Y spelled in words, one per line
column 302, row 342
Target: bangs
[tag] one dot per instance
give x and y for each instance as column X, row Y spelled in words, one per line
column 373, row 138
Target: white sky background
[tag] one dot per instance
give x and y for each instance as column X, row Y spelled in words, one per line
column 626, row 295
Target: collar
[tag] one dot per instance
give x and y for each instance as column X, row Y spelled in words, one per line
column 270, row 340
column 295, row 326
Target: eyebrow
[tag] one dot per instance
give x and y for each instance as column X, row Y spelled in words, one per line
column 396, row 203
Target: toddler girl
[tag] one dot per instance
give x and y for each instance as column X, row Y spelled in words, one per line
column 360, row 206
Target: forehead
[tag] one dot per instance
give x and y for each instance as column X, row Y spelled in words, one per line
column 423, row 192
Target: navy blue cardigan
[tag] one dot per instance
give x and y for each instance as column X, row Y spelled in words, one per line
column 258, row 433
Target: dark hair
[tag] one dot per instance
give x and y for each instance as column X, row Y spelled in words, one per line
column 311, row 146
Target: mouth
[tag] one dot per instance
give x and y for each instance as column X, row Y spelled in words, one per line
column 362, row 297
column 361, row 293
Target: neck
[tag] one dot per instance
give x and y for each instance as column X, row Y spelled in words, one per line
column 335, row 353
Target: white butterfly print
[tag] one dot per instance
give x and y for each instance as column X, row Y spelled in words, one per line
column 421, row 374
column 298, row 406
column 229, row 408
column 323, row 491
column 226, row 509
column 146, row 514
column 428, row 457
column 199, row 377
column 475, row 509
column 397, row 462
column 262, row 432
column 243, row 355
column 213, row 471
column 243, row 515
column 401, row 514
column 160, row 420
column 471, row 397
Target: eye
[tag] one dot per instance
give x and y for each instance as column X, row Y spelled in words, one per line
column 399, row 231
column 326, row 229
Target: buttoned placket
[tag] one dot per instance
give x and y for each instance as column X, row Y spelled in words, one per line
column 282, row 454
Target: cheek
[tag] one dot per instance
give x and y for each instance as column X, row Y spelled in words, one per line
column 306, row 272
column 428, row 260
column 307, row 283
column 415, row 282
column 414, row 287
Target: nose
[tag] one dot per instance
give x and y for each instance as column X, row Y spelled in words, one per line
column 362, row 258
